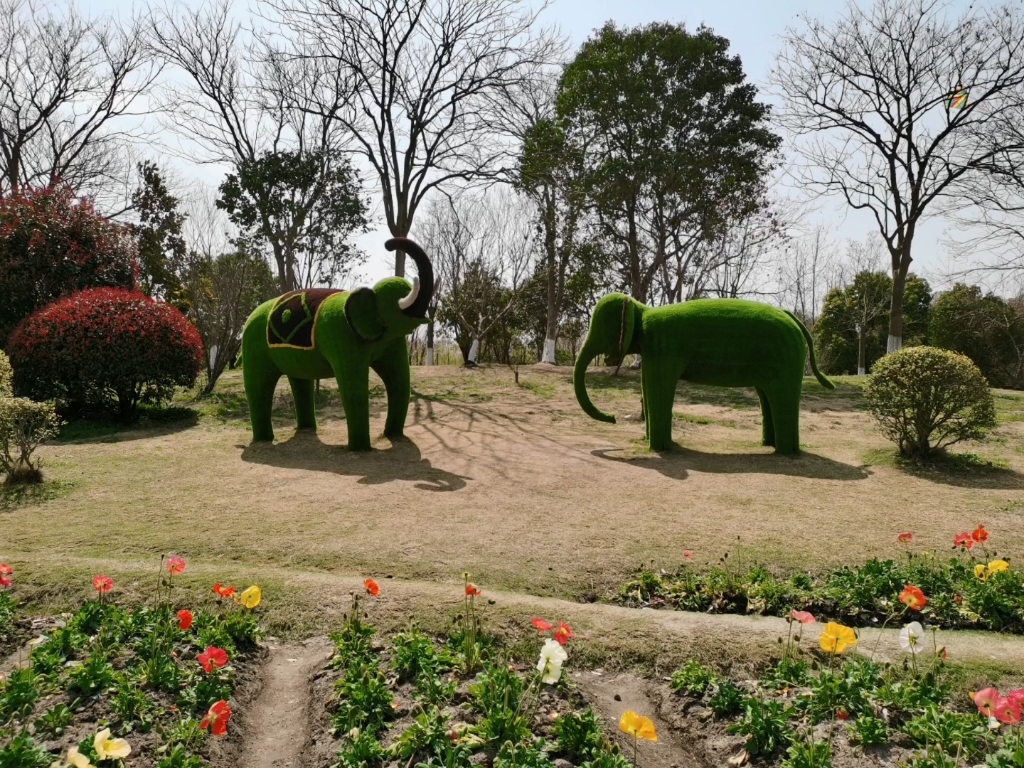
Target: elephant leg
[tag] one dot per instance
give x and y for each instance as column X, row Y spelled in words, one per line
column 393, row 368
column 304, row 395
column 353, row 384
column 767, row 424
column 260, row 382
column 661, row 377
column 784, row 400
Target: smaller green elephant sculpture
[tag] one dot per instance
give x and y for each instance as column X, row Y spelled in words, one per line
column 318, row 333
column 724, row 342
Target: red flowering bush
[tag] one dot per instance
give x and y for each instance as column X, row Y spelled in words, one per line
column 105, row 346
column 53, row 244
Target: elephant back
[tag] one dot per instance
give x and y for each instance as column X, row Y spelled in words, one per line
column 292, row 321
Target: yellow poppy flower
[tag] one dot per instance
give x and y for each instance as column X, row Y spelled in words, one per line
column 107, row 748
column 998, row 565
column 836, row 638
column 981, row 572
column 637, row 726
column 252, row 596
column 77, row 759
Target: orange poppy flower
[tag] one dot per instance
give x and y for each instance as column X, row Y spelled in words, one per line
column 980, row 535
column 102, row 584
column 224, row 591
column 471, row 590
column 541, row 625
column 963, row 540
column 184, row 620
column 175, row 565
column 905, row 538
column 372, row 587
column 913, row 598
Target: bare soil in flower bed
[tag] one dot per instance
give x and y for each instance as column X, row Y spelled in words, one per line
column 144, row 674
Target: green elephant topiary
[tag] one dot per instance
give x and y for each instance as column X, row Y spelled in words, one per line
column 724, row 342
column 318, row 333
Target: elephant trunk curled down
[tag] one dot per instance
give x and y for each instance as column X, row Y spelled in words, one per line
column 723, row 342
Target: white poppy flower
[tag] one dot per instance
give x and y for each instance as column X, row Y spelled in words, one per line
column 552, row 656
column 912, row 638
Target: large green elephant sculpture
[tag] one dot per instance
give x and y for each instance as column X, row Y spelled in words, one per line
column 318, row 333
column 725, row 342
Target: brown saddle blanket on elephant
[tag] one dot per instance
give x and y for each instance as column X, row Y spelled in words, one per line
column 292, row 321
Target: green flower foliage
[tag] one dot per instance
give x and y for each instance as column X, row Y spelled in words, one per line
column 926, row 399
column 863, row 595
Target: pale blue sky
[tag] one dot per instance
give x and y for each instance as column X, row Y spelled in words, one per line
column 754, row 29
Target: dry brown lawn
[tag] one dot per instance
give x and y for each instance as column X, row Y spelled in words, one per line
column 514, row 484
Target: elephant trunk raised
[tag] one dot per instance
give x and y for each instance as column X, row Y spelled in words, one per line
column 416, row 303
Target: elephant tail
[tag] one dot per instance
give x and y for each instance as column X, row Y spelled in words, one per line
column 822, row 378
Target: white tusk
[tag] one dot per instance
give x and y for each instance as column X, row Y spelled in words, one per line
column 408, row 300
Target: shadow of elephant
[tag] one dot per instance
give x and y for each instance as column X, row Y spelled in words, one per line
column 680, row 461
column 401, row 461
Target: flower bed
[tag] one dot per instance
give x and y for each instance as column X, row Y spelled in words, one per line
column 107, row 682
column 460, row 701
column 835, row 706
column 973, row 589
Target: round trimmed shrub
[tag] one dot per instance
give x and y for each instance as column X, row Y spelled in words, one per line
column 927, row 398
column 105, row 347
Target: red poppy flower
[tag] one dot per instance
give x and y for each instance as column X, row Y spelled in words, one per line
column 843, row 714
column 980, row 535
column 905, row 538
column 372, row 587
column 541, row 625
column 224, row 591
column 213, row 657
column 184, row 620
column 217, row 718
column 563, row 633
column 913, row 598
column 963, row 540
column 5, row 581
column 102, row 584
column 472, row 590
column 803, row 617
column 175, row 565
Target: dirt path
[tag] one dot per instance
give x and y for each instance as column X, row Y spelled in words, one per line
column 276, row 724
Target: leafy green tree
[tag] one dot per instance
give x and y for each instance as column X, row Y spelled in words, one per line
column 305, row 206
column 222, row 291
column 853, row 328
column 675, row 142
column 161, row 247
column 985, row 328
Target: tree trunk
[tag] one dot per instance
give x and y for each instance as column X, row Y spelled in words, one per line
column 862, row 349
column 899, row 285
column 474, row 350
column 430, row 342
column 551, row 320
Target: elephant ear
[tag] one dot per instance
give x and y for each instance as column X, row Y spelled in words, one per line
column 362, row 315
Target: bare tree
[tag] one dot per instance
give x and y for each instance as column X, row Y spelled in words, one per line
column 482, row 249
column 68, row 90
column 728, row 264
column 807, row 271
column 245, row 106
column 881, row 83
column 427, row 78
